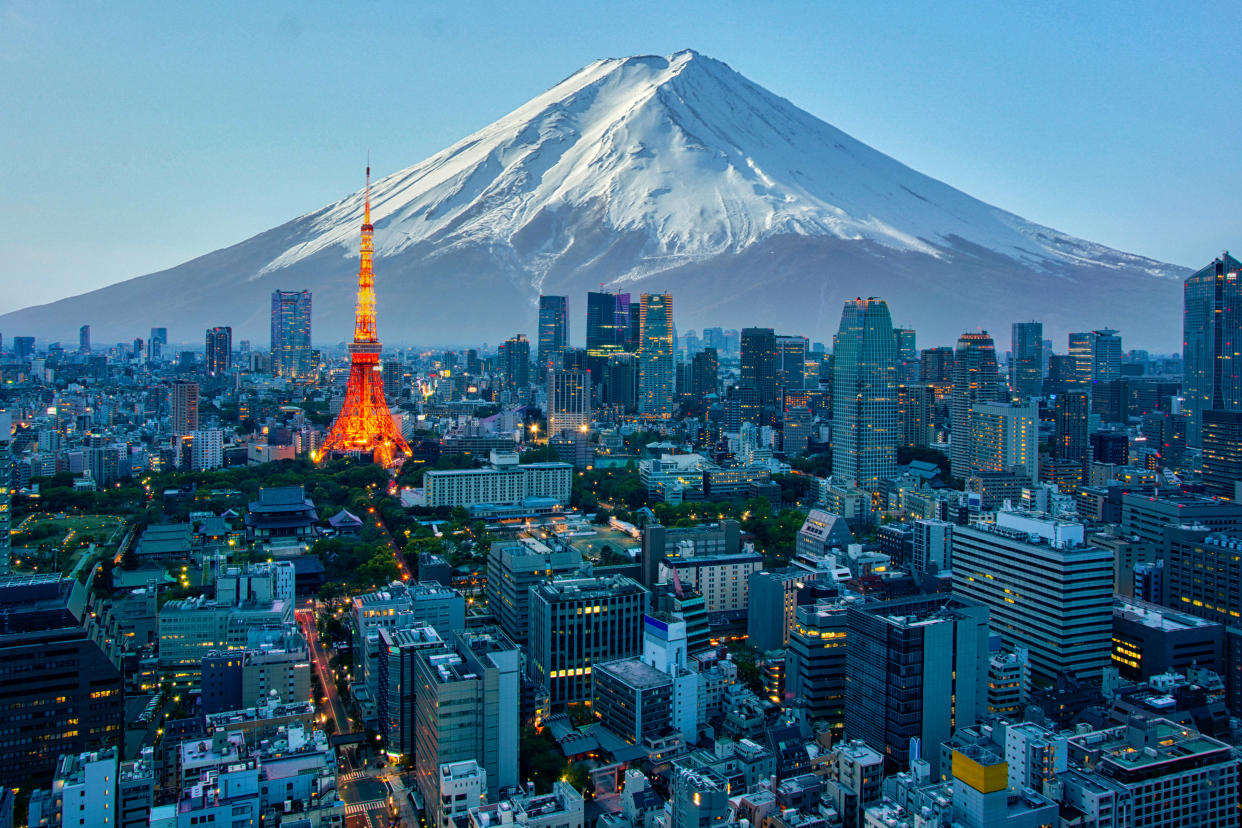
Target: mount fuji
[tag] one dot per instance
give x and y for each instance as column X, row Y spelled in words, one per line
column 651, row 174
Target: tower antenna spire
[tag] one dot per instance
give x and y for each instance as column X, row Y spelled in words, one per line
column 366, row 219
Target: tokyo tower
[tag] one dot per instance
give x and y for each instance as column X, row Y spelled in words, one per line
column 365, row 425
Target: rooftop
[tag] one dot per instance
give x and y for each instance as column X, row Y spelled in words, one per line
column 1157, row 617
column 635, row 673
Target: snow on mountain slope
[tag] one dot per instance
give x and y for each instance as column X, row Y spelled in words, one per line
column 688, row 152
column 651, row 173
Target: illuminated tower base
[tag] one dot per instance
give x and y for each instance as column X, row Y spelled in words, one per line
column 365, row 425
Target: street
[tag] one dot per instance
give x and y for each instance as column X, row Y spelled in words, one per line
column 364, row 795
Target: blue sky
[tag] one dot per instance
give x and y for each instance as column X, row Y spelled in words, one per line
column 139, row 135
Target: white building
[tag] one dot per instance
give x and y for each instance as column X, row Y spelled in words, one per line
column 504, row 481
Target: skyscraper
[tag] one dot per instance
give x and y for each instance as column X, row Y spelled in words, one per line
column 84, row 339
column 156, row 343
column 365, row 425
column 655, row 356
column 974, row 380
column 907, row 355
column 569, row 401
column 291, row 333
column 864, row 395
column 553, row 331
column 1071, row 440
column 1222, row 452
column 1212, row 330
column 514, row 359
column 1005, row 437
column 705, row 368
column 1026, row 360
column 1105, row 355
column 183, row 407
column 1082, row 352
column 790, row 364
column 6, row 482
column 607, row 329
column 759, row 363
column 219, row 351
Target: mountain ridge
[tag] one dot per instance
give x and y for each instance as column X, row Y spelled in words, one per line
column 638, row 173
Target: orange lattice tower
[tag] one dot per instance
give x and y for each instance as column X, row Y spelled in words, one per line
column 365, row 425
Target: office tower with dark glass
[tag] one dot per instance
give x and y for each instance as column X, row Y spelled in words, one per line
column 1071, row 442
column 514, row 361
column 1026, row 359
column 918, row 670
column 974, row 380
column 578, row 622
column 1222, row 452
column 219, row 351
column 655, row 356
column 156, row 343
column 291, row 334
column 758, row 364
column 907, row 355
column 790, row 365
column 607, row 329
column 1212, row 330
column 553, row 331
column 864, row 394
column 84, row 339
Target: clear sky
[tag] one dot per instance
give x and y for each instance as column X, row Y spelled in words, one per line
column 135, row 136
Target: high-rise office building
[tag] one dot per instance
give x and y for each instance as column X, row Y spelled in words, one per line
column 621, row 381
column 466, row 708
column 156, row 343
column 1072, row 415
column 553, row 331
column 1082, row 351
column 1212, row 329
column 864, row 394
column 758, row 364
column 790, row 364
column 569, row 401
column 816, row 663
column 514, row 361
column 655, row 356
column 1105, row 355
column 1222, row 452
column 291, row 334
column 23, row 346
column 974, row 380
column 183, row 406
column 704, row 370
column 219, row 349
column 513, row 567
column 918, row 670
column 577, row 622
column 907, row 355
column 916, row 405
column 84, row 339
column 59, row 693
column 607, row 329
column 936, row 365
column 1004, row 437
column 1026, row 359
column 6, row 484
column 1047, row 590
